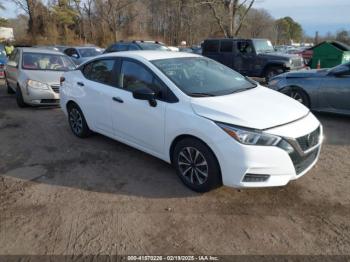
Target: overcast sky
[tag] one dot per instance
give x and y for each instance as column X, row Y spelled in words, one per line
column 313, row 15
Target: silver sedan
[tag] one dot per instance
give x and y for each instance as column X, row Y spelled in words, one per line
column 324, row 90
column 34, row 75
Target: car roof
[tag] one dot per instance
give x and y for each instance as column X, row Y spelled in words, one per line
column 83, row 47
column 150, row 55
column 39, row 50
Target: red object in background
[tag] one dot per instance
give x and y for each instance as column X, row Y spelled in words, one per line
column 307, row 55
column 2, row 74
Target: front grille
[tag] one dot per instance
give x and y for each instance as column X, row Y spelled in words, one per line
column 310, row 140
column 301, row 163
column 56, row 88
column 297, row 62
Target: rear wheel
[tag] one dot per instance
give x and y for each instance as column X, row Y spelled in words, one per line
column 19, row 98
column 77, row 121
column 196, row 165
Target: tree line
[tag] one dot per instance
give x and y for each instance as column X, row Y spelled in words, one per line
column 101, row 22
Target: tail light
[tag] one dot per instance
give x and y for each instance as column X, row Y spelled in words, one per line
column 62, row 79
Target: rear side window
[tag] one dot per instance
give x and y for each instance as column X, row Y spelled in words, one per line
column 100, row 71
column 226, row 46
column 211, row 46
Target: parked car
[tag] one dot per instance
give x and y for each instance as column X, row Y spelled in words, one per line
column 185, row 49
column 136, row 45
column 3, row 61
column 173, row 48
column 251, row 57
column 34, row 75
column 326, row 90
column 82, row 53
column 214, row 125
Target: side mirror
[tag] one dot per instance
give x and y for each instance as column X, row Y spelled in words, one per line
column 75, row 56
column 145, row 93
column 12, row 64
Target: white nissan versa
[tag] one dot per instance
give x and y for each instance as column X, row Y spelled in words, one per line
column 214, row 125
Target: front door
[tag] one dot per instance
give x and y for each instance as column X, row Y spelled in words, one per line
column 244, row 59
column 136, row 121
column 335, row 92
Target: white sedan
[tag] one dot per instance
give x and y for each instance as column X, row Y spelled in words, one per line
column 214, row 125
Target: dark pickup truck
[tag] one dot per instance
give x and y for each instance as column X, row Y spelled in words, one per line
column 251, row 57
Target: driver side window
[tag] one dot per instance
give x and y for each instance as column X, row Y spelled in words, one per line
column 134, row 75
column 245, row 47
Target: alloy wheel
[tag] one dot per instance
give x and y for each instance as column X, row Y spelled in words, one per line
column 193, row 166
column 76, row 120
column 295, row 95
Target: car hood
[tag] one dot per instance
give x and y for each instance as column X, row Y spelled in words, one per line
column 307, row 73
column 44, row 76
column 278, row 55
column 258, row 108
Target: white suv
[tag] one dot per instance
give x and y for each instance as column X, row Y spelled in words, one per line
column 214, row 125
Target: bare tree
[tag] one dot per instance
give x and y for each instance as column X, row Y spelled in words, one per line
column 229, row 14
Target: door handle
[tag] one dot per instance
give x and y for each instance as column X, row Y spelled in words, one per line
column 80, row 83
column 118, row 99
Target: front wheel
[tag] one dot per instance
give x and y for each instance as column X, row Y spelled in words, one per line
column 9, row 89
column 19, row 98
column 196, row 165
column 77, row 121
column 299, row 96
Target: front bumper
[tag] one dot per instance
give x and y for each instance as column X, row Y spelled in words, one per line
column 39, row 97
column 237, row 160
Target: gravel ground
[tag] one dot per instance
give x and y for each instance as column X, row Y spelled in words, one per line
column 64, row 195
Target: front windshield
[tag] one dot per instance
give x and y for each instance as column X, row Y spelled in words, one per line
column 42, row 61
column 88, row 52
column 263, row 45
column 153, row 46
column 199, row 76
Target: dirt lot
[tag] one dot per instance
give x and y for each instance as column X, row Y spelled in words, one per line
column 64, row 195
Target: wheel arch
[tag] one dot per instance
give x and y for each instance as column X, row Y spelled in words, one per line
column 297, row 87
column 183, row 136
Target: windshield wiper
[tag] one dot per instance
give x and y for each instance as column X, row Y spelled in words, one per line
column 200, row 94
column 242, row 89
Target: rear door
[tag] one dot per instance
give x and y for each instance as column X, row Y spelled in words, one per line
column 226, row 53
column 211, row 49
column 12, row 68
column 335, row 92
column 98, row 86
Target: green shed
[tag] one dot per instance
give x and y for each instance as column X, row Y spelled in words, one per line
column 330, row 54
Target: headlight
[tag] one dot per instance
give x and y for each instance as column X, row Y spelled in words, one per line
column 249, row 137
column 37, row 85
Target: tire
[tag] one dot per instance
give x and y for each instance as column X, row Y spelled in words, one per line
column 299, row 95
column 196, row 165
column 19, row 98
column 77, row 121
column 9, row 89
column 271, row 72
